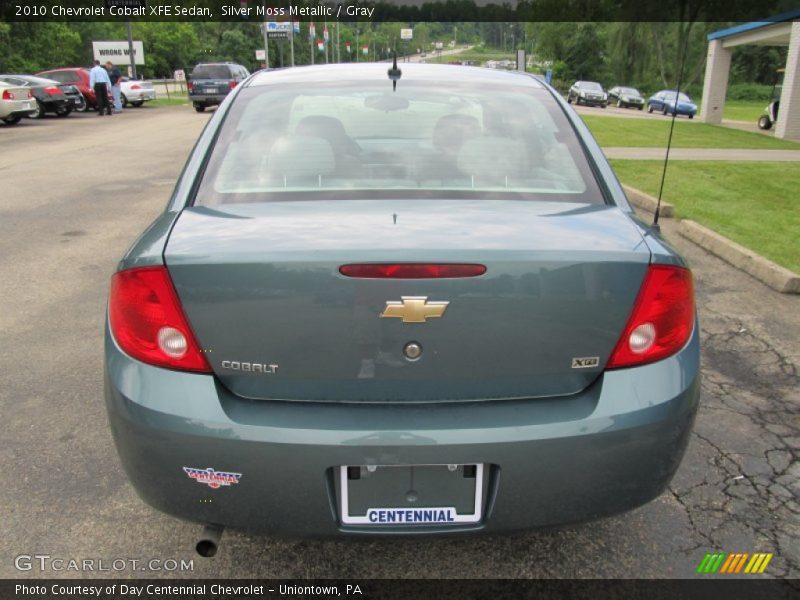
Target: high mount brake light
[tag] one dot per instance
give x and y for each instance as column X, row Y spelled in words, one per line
column 661, row 321
column 148, row 323
column 412, row 270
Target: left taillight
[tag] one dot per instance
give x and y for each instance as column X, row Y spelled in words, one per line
column 52, row 90
column 136, row 87
column 662, row 319
column 148, row 322
column 7, row 95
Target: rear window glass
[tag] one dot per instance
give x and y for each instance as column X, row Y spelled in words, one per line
column 211, row 72
column 426, row 140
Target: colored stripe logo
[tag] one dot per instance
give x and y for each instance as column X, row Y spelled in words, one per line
column 720, row 562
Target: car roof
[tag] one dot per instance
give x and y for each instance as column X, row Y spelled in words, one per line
column 31, row 78
column 377, row 72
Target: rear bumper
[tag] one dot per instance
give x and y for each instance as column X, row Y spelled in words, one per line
column 18, row 113
column 207, row 99
column 611, row 448
column 143, row 95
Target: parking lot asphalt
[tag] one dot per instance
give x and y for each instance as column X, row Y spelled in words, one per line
column 77, row 191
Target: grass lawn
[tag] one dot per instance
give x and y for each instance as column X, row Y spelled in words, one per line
column 477, row 57
column 744, row 110
column 649, row 133
column 167, row 102
column 752, row 203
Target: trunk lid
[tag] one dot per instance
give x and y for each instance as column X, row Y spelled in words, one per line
column 260, row 285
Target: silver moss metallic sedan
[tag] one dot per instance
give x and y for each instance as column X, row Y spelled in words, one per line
column 420, row 311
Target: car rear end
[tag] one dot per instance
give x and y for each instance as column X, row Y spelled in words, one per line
column 209, row 84
column 400, row 326
column 52, row 98
column 75, row 100
column 16, row 102
column 138, row 92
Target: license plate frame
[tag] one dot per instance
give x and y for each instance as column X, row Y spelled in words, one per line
column 452, row 517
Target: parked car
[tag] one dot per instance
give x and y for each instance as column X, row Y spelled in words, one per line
column 136, row 92
column 590, row 93
column 78, row 77
column 50, row 95
column 16, row 101
column 209, row 83
column 626, row 97
column 325, row 312
column 672, row 102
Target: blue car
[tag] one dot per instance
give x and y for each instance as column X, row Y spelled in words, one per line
column 428, row 310
column 671, row 102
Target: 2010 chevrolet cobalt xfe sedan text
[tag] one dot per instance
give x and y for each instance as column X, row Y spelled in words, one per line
column 418, row 310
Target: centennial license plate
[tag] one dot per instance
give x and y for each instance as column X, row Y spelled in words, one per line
column 404, row 495
column 211, row 90
column 26, row 106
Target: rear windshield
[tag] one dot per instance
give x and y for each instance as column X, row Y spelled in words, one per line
column 211, row 72
column 426, row 140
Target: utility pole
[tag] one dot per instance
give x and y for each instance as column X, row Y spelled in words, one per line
column 291, row 38
column 266, row 39
column 130, row 49
column 358, row 47
column 325, row 40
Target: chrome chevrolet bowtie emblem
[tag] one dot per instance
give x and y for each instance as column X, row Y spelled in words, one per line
column 414, row 309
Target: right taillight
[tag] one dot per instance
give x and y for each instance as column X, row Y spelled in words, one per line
column 662, row 319
column 148, row 323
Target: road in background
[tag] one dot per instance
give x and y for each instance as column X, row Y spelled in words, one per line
column 76, row 192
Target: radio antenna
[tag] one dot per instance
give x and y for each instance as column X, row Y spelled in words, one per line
column 682, row 64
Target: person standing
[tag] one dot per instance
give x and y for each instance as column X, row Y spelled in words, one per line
column 115, row 76
column 100, row 83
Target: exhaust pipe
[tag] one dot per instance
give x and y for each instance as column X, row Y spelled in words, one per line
column 209, row 540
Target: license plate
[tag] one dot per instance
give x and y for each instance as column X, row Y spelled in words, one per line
column 211, row 90
column 411, row 495
column 27, row 106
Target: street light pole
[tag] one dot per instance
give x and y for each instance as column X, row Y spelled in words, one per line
column 130, row 49
column 266, row 39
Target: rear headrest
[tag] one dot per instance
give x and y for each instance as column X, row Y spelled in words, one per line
column 493, row 158
column 452, row 130
column 299, row 156
column 330, row 129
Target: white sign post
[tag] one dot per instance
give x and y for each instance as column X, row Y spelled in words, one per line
column 406, row 34
column 118, row 52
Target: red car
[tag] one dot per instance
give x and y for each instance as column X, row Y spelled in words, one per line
column 79, row 77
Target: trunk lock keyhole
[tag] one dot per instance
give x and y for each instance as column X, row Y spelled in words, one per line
column 412, row 350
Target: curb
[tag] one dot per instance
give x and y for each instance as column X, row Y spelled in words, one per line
column 775, row 276
column 647, row 202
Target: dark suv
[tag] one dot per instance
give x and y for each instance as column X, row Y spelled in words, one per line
column 209, row 83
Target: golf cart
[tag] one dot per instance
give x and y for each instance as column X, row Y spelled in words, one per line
column 767, row 120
